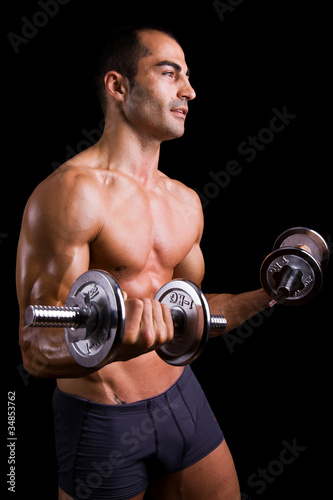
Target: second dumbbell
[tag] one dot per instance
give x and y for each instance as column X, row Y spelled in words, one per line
column 293, row 273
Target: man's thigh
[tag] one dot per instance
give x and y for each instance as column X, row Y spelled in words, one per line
column 213, row 477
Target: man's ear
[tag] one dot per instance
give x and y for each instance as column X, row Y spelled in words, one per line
column 116, row 85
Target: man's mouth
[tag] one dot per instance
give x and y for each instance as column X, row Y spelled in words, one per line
column 180, row 111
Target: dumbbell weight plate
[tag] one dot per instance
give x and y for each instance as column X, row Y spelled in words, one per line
column 294, row 258
column 97, row 344
column 185, row 299
column 297, row 236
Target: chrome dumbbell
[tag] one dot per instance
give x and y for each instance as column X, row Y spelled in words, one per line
column 293, row 273
column 94, row 320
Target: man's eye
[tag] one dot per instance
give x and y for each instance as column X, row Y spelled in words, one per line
column 169, row 73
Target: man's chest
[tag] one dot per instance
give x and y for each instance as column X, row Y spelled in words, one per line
column 145, row 233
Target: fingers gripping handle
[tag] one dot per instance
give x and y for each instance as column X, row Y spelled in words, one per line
column 192, row 320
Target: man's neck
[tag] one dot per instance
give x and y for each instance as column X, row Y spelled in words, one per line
column 121, row 148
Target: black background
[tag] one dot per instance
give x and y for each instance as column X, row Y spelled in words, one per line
column 273, row 383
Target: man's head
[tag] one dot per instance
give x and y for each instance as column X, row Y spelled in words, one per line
column 121, row 52
column 142, row 71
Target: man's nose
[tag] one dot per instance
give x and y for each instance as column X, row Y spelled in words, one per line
column 187, row 91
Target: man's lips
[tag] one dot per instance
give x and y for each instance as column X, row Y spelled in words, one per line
column 180, row 111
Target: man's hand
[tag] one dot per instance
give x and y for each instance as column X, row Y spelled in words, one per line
column 148, row 326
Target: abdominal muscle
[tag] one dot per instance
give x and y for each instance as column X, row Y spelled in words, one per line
column 123, row 382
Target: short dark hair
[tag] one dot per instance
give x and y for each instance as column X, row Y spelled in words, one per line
column 121, row 51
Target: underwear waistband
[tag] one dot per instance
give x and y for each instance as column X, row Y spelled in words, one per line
column 138, row 407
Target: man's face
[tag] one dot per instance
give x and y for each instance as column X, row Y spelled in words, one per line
column 158, row 102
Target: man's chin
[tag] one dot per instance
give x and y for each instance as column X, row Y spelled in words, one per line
column 174, row 133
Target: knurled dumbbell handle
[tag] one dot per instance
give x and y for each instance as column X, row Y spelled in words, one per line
column 57, row 317
column 217, row 323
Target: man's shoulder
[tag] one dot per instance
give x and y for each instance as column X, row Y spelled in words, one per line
column 182, row 192
column 68, row 178
column 67, row 188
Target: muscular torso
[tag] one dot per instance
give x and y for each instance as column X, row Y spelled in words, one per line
column 144, row 234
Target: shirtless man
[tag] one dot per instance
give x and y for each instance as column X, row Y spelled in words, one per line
column 138, row 420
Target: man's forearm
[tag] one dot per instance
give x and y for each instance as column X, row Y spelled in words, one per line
column 238, row 308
